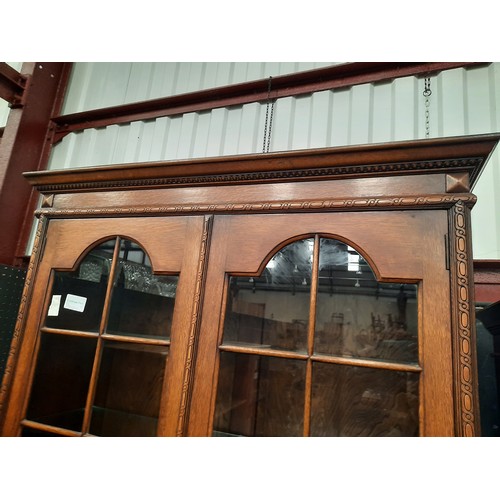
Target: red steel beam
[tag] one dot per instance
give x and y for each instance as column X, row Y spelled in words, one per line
column 12, row 84
column 306, row 82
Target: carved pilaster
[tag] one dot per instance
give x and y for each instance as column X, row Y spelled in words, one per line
column 21, row 315
column 463, row 323
column 194, row 326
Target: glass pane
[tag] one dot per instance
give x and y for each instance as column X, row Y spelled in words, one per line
column 78, row 296
column 127, row 399
column 352, row 401
column 142, row 304
column 272, row 310
column 358, row 316
column 259, row 396
column 61, row 380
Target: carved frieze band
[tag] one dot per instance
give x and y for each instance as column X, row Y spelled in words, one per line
column 382, row 203
column 274, row 175
column 463, row 341
column 21, row 315
column 195, row 318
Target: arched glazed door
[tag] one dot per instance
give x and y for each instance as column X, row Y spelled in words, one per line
column 325, row 325
column 108, row 330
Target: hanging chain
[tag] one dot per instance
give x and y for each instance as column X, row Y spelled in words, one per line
column 269, row 118
column 427, row 93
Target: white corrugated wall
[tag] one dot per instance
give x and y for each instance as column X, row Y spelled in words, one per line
column 463, row 102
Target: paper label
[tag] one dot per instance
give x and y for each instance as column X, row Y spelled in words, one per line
column 75, row 302
column 55, row 304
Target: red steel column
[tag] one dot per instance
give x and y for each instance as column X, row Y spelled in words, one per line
column 25, row 146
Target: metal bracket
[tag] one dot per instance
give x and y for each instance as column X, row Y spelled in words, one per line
column 13, row 86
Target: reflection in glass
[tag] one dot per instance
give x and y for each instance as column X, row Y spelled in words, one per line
column 142, row 313
column 135, row 272
column 359, row 317
column 61, row 381
column 259, row 396
column 77, row 297
column 142, row 304
column 127, row 398
column 272, row 310
column 352, row 401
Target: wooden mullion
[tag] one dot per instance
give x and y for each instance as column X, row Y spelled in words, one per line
column 263, row 352
column 135, row 340
column 50, row 428
column 367, row 363
column 99, row 348
column 109, row 290
column 310, row 337
column 71, row 333
column 92, row 386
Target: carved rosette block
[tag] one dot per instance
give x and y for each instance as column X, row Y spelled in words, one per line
column 466, row 404
column 47, row 200
column 457, row 183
